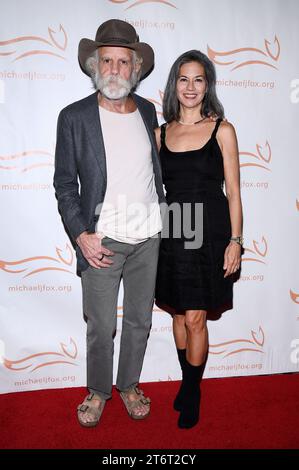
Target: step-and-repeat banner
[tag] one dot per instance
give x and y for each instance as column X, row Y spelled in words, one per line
column 254, row 46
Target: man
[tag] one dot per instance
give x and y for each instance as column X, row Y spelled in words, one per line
column 107, row 141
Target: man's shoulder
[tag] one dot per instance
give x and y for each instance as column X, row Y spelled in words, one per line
column 80, row 105
column 142, row 101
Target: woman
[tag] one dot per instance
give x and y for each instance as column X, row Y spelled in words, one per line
column 197, row 156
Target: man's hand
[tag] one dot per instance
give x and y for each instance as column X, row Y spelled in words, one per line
column 92, row 249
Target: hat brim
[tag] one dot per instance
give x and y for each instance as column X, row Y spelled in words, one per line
column 144, row 50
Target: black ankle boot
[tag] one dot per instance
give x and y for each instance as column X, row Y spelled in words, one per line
column 189, row 415
column 178, row 401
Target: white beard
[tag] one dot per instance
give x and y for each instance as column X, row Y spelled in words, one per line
column 114, row 87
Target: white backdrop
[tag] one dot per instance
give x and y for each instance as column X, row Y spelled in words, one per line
column 254, row 46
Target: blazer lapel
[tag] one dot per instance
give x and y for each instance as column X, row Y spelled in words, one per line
column 95, row 133
column 146, row 119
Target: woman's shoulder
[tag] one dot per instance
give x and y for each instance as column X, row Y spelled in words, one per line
column 226, row 126
column 226, row 130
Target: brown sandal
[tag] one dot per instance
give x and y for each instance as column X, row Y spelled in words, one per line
column 88, row 407
column 131, row 405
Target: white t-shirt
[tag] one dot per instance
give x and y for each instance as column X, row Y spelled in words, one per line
column 130, row 211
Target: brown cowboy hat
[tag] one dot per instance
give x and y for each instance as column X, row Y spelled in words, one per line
column 117, row 33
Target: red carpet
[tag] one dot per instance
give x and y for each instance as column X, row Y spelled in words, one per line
column 237, row 413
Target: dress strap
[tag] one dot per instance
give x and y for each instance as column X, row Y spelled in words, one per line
column 163, row 133
column 216, row 127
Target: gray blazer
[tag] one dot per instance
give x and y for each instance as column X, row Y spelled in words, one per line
column 80, row 154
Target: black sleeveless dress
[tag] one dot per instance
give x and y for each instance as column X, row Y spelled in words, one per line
column 193, row 279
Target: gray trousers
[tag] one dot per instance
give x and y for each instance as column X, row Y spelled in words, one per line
column 137, row 266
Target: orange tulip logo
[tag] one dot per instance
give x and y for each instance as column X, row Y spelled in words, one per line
column 37, row 264
column 259, row 251
column 294, row 296
column 229, row 348
column 260, row 159
column 158, row 104
column 55, row 43
column 27, row 161
column 141, row 2
column 66, row 355
column 245, row 56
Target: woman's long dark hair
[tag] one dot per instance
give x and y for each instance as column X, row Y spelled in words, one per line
column 210, row 105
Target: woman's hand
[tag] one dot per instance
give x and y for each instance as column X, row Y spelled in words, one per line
column 232, row 258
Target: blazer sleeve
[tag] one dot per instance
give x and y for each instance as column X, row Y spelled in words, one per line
column 155, row 120
column 66, row 179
